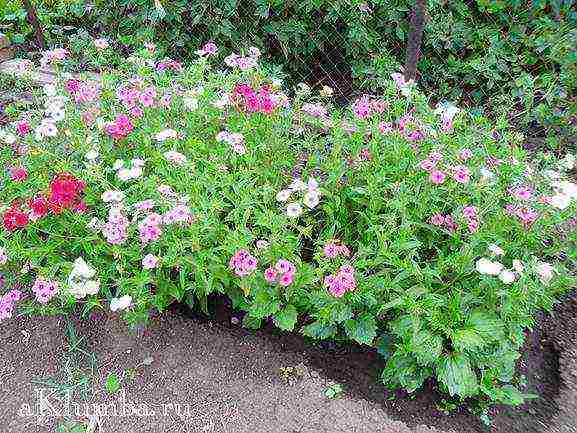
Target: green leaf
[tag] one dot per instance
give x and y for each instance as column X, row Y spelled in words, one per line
column 487, row 325
column 427, row 347
column 363, row 330
column 455, row 372
column 286, row 318
column 467, row 339
column 112, row 384
column 319, row 330
column 251, row 322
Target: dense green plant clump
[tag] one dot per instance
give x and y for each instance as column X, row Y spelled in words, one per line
column 426, row 234
column 497, row 55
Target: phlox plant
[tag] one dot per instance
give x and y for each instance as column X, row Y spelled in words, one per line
column 425, row 233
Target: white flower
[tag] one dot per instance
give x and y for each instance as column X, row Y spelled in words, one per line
column 112, row 196
column 506, row 276
column 496, row 249
column 326, row 91
column 283, row 195
column 560, row 201
column 486, row 175
column 297, row 185
column 190, row 103
column 552, row 174
column 294, row 210
column 303, row 89
column 124, row 174
column 222, row 102
column 166, row 134
column 518, row 266
column 312, row 184
column 254, row 52
column 487, row 267
column 49, row 89
column 83, row 269
column 566, row 187
column 135, row 172
column 92, row 155
column 545, row 271
column 122, row 303
column 568, row 163
column 81, row 279
column 9, row 138
column 311, row 199
column 175, row 157
column 137, row 162
column 3, row 256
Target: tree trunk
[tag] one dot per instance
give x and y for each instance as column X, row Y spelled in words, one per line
column 414, row 39
column 33, row 20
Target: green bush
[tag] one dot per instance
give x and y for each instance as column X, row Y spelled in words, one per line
column 502, row 56
column 428, row 235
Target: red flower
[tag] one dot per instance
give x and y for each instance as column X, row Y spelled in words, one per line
column 14, row 218
column 64, row 192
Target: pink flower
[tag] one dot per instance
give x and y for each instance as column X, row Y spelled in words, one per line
column 465, row 154
column 450, row 223
column 361, row 108
column 427, row 165
column 136, row 112
column 44, row 290
column 270, row 274
column 438, row 220
column 415, row 135
column 385, row 127
column 18, row 174
column 149, row 261
column 243, row 263
column 461, row 174
column 286, row 279
column 470, row 212
column 527, row 215
column 473, row 226
column 23, row 127
column 331, row 250
column 437, row 177
column 523, row 193
column 284, row 266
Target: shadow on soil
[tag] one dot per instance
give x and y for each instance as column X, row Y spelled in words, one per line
column 358, row 369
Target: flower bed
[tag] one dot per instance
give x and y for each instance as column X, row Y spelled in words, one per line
column 427, row 234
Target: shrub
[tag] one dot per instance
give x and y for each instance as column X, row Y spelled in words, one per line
column 426, row 234
column 496, row 55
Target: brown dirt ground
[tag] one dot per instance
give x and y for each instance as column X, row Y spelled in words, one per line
column 230, row 378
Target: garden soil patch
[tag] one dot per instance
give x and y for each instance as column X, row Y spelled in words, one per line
column 230, row 378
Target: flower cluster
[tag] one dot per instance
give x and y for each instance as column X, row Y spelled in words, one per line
column 52, row 57
column 244, row 63
column 311, row 196
column 44, row 290
column 366, row 106
column 7, row 302
column 81, row 281
column 119, row 304
column 120, row 127
column 341, row 282
column 283, row 272
column 208, row 49
column 447, row 111
column 334, row 248
column 234, row 139
column 243, row 263
column 459, row 173
column 133, row 170
column 262, row 100
column 65, row 193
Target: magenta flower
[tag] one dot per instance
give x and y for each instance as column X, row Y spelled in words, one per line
column 437, row 220
column 270, row 274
